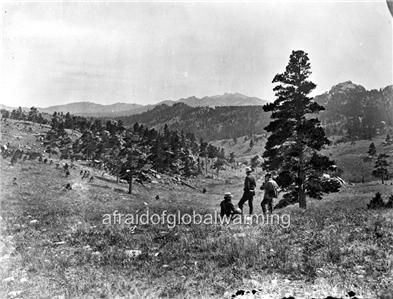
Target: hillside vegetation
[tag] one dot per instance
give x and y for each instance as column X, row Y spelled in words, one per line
column 54, row 243
column 355, row 112
column 351, row 157
column 351, row 112
column 205, row 122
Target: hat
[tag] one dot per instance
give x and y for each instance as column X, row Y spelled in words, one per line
column 248, row 169
column 228, row 195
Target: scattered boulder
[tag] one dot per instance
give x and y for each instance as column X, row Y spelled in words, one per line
column 133, row 252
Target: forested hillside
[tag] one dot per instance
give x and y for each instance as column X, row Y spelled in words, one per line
column 351, row 111
column 205, row 122
column 356, row 113
column 122, row 151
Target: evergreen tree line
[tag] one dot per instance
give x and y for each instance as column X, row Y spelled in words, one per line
column 122, row 151
column 32, row 115
column 225, row 122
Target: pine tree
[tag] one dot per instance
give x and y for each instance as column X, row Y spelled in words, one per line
column 187, row 163
column 33, row 114
column 203, row 152
column 297, row 136
column 372, row 149
column 381, row 167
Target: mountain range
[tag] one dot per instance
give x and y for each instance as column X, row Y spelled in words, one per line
column 123, row 109
column 351, row 111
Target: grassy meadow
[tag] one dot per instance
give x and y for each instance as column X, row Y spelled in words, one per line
column 55, row 245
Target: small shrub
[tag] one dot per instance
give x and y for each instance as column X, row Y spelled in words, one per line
column 376, row 202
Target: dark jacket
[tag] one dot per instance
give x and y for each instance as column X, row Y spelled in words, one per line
column 271, row 189
column 227, row 208
column 249, row 184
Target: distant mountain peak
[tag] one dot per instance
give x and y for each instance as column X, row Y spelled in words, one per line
column 345, row 87
column 226, row 99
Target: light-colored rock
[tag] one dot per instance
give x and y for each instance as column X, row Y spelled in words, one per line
column 133, row 252
column 24, row 280
column 8, row 279
column 15, row 294
column 239, row 235
column 59, row 243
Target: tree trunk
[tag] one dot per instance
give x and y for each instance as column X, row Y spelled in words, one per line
column 302, row 198
column 130, row 184
column 302, row 179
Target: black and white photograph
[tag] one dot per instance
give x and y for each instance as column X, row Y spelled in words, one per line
column 196, row 149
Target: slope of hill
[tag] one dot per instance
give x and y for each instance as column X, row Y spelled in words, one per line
column 48, row 231
column 350, row 157
column 351, row 110
column 354, row 111
column 92, row 109
column 205, row 122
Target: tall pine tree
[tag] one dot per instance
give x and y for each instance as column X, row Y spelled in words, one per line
column 292, row 149
column 372, row 150
column 381, row 167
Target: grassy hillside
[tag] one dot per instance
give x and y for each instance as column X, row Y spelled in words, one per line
column 348, row 156
column 54, row 242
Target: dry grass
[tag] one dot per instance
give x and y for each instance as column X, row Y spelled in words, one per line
column 54, row 244
column 333, row 247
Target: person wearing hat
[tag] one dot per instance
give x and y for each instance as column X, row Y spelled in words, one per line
column 271, row 191
column 249, row 190
column 227, row 207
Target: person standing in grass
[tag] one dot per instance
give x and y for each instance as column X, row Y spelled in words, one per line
column 249, row 190
column 271, row 191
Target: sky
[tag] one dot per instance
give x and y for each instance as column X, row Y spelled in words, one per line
column 106, row 52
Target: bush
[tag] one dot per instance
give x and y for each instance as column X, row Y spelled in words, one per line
column 378, row 203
